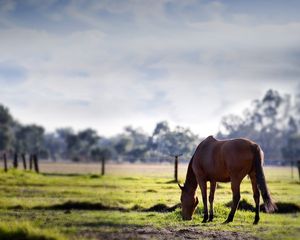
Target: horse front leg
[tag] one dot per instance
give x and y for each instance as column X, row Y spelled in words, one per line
column 235, row 187
column 211, row 200
column 203, row 187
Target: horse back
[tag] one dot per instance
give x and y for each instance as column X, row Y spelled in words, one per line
column 216, row 160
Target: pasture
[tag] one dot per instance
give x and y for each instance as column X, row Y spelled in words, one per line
column 72, row 201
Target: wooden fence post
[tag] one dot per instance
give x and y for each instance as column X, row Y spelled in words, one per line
column 298, row 165
column 15, row 162
column 176, row 169
column 5, row 162
column 176, row 166
column 30, row 161
column 292, row 172
column 102, row 165
column 24, row 160
column 36, row 163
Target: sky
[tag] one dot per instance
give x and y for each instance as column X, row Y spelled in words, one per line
column 110, row 64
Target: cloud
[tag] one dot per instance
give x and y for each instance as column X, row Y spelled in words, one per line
column 11, row 74
column 108, row 64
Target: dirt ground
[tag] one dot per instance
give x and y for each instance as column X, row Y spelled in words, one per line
column 147, row 233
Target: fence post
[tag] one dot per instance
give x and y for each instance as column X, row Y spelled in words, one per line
column 5, row 162
column 298, row 165
column 292, row 172
column 30, row 161
column 36, row 163
column 24, row 160
column 15, row 162
column 102, row 165
column 176, row 168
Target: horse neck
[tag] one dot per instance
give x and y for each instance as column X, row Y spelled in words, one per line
column 190, row 181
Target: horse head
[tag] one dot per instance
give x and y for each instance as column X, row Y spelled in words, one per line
column 189, row 203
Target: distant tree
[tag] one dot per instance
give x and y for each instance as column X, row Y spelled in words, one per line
column 80, row 145
column 73, row 146
column 179, row 141
column 16, row 144
column 97, row 153
column 291, row 151
column 132, row 144
column 122, row 144
column 62, row 135
column 160, row 129
column 266, row 123
column 88, row 139
column 139, row 143
column 6, row 135
column 52, row 144
column 33, row 138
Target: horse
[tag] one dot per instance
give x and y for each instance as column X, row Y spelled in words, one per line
column 224, row 161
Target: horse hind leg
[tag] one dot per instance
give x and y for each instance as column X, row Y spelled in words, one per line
column 211, row 200
column 256, row 196
column 235, row 187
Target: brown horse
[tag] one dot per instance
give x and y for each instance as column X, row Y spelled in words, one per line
column 224, row 161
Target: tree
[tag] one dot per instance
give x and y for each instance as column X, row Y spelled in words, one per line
column 34, row 140
column 291, row 150
column 53, row 145
column 131, row 145
column 5, row 128
column 179, row 141
column 88, row 139
column 266, row 122
column 62, row 135
column 6, row 136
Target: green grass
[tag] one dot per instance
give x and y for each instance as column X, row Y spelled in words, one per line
column 28, row 200
column 25, row 231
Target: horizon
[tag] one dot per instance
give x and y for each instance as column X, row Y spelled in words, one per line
column 108, row 64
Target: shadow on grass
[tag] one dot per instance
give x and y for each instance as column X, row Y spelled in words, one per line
column 171, row 182
column 106, row 224
column 72, row 175
column 73, row 205
column 283, row 207
column 160, row 208
column 63, row 174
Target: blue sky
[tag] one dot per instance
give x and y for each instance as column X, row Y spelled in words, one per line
column 108, row 64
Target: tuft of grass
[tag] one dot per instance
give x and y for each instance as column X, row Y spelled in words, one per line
column 25, row 231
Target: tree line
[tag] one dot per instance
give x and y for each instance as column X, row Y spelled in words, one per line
column 272, row 121
column 132, row 145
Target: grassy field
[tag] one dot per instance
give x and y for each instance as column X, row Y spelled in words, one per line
column 69, row 201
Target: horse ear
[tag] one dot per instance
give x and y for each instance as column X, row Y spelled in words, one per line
column 181, row 187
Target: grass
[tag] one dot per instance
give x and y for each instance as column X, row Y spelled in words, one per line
column 25, row 231
column 58, row 206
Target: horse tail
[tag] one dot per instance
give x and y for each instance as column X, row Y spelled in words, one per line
column 270, row 206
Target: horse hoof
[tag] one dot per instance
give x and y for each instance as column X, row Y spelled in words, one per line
column 227, row 221
column 255, row 222
column 204, row 221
